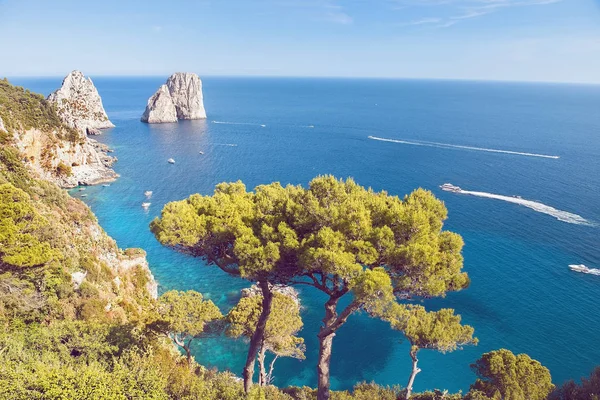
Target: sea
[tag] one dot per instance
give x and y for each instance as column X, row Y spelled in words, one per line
column 528, row 155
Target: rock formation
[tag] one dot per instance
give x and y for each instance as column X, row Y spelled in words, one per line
column 85, row 162
column 160, row 107
column 180, row 98
column 2, row 128
column 79, row 105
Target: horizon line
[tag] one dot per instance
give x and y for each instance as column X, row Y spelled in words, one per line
column 481, row 80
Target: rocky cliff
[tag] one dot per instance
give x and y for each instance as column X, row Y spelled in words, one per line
column 55, row 151
column 79, row 105
column 180, row 98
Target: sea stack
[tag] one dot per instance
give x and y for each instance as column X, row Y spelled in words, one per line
column 180, row 98
column 79, row 105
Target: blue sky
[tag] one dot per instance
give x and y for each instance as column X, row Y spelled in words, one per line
column 530, row 40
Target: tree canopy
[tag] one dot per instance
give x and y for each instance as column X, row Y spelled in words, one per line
column 505, row 376
column 335, row 235
column 184, row 316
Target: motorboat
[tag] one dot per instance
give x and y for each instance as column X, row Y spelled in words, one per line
column 171, row 161
column 148, row 193
column 146, row 205
column 584, row 270
column 448, row 187
column 201, row 152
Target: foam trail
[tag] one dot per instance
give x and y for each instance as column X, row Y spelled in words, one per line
column 226, row 144
column 534, row 205
column 237, row 123
column 455, row 146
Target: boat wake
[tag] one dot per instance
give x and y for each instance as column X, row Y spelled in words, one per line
column 238, row 123
column 560, row 215
column 226, row 144
column 455, row 146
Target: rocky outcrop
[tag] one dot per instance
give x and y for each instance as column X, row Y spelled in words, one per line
column 2, row 128
column 160, row 107
column 64, row 162
column 79, row 105
column 180, row 98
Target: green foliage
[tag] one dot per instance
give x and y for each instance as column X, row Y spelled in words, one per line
column 63, row 169
column 186, row 312
column 20, row 226
column 588, row 389
column 437, row 330
column 282, row 326
column 22, row 109
column 184, row 316
column 503, row 375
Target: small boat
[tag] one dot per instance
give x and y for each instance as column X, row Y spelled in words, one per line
column 263, row 125
column 146, row 205
column 448, row 187
column 200, row 152
column 84, row 195
column 106, row 185
column 81, row 189
column 148, row 193
column 584, row 270
column 517, row 197
column 171, row 161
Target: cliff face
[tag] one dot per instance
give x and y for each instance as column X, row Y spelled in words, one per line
column 55, row 151
column 180, row 98
column 79, row 105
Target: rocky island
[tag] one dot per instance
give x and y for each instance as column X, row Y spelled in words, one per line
column 79, row 105
column 179, row 98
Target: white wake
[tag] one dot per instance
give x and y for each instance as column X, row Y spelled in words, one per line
column 238, row 123
column 560, row 215
column 455, row 146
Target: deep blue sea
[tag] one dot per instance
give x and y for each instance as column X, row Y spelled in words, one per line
column 523, row 296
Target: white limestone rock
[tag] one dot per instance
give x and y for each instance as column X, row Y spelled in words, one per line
column 181, row 95
column 79, row 105
column 160, row 107
column 2, row 128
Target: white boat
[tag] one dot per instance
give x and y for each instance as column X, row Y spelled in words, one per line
column 148, row 193
column 106, row 185
column 146, row 205
column 171, row 161
column 81, row 189
column 448, row 187
column 201, row 152
column 584, row 270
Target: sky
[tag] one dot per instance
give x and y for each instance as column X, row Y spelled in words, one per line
column 517, row 40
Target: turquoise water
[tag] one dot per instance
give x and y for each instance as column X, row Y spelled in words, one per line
column 522, row 297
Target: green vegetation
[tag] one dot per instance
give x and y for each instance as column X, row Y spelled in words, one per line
column 502, row 375
column 589, row 389
column 21, row 110
column 342, row 239
column 280, row 338
column 435, row 330
column 183, row 316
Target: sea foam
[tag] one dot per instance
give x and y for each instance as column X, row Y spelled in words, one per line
column 456, row 146
column 238, row 123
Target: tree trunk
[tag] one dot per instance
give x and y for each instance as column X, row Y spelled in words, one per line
column 188, row 353
column 326, row 335
column 259, row 333
column 262, row 376
column 414, row 372
column 269, row 375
